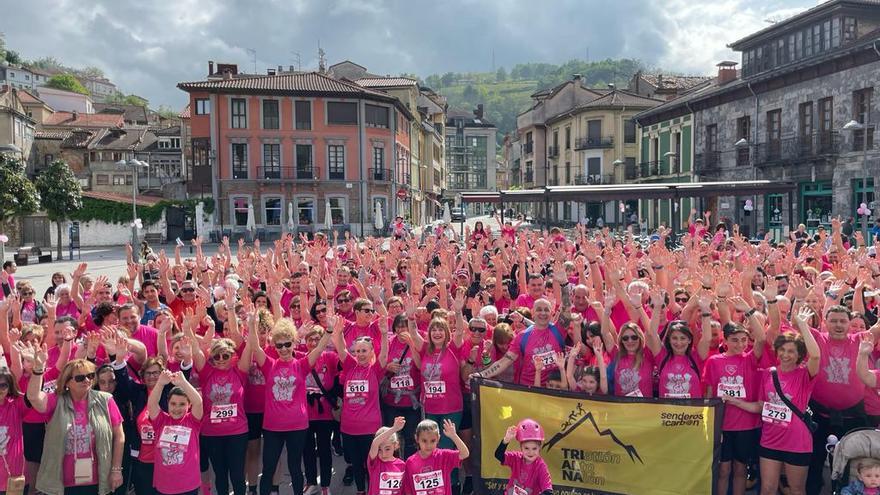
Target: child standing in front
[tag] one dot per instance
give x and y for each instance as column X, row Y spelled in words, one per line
column 528, row 472
column 384, row 468
column 429, row 470
column 177, row 466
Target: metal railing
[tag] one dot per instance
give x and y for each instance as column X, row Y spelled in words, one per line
column 631, row 171
column 274, row 173
column 649, row 168
column 379, row 174
column 528, row 148
column 305, row 172
column 586, row 143
column 811, row 146
column 709, row 161
column 590, row 179
column 553, row 151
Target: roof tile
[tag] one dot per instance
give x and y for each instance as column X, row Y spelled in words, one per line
column 121, row 198
column 84, row 119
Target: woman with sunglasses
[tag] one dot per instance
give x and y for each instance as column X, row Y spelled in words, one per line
column 224, row 431
column 12, row 411
column 85, row 454
column 679, row 364
column 402, row 384
column 364, row 325
column 31, row 309
column 322, row 399
column 285, row 421
column 362, row 372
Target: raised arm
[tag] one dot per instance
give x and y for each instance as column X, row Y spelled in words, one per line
column 195, row 399
column 652, row 337
column 35, row 394
column 449, row 431
column 398, row 425
column 315, row 353
column 865, row 348
column 813, row 352
column 153, row 408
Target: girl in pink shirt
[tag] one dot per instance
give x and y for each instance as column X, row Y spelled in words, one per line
column 286, row 420
column 403, row 383
column 177, row 435
column 429, row 471
column 361, row 374
column 386, row 470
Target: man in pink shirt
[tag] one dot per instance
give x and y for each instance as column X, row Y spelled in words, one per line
column 7, row 282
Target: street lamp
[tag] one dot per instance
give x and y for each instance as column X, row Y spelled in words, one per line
column 743, row 144
column 852, row 126
column 135, row 165
column 615, row 163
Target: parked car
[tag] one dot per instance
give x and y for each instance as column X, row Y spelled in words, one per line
column 457, row 214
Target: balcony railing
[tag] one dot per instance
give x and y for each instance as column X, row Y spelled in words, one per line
column 587, row 143
column 553, row 151
column 590, row 179
column 379, row 174
column 810, row 147
column 336, row 175
column 649, row 169
column 631, row 171
column 274, row 173
column 529, row 177
column 709, row 161
column 404, row 178
column 305, row 172
column 528, row 148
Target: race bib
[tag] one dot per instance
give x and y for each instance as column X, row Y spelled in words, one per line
column 401, row 382
column 635, row 393
column 425, row 483
column 357, row 387
column 175, row 437
column 223, row 412
column 434, row 388
column 313, row 390
column 148, row 434
column 737, row 390
column 518, row 490
column 773, row 413
column 50, row 387
column 390, row 483
column 547, row 358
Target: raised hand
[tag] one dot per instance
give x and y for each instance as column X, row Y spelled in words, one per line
column 803, row 316
column 164, row 378
column 449, row 429
column 866, row 346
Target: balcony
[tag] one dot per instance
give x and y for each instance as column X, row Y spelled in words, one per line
column 649, row 169
column 709, row 161
column 404, row 178
column 336, row 174
column 592, row 179
column 379, row 174
column 631, row 171
column 529, row 177
column 594, row 142
column 528, row 148
column 305, row 172
column 274, row 173
column 799, row 148
column 553, row 151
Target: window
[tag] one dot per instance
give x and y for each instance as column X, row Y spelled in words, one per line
column 118, row 180
column 239, row 113
column 805, row 119
column 303, row 115
column 775, row 207
column 336, row 161
column 594, row 167
column 556, row 139
column 340, row 113
column 808, row 42
column 781, row 52
column 774, row 134
column 271, row 161
column 164, row 144
column 711, row 138
column 861, row 109
column 239, row 161
column 826, row 35
column 203, row 106
column 240, row 211
column 849, row 29
column 102, row 179
column 826, row 115
column 376, row 116
column 304, row 169
column 271, row 119
column 272, row 211
column 175, row 143
column 305, row 211
column 48, row 159
column 568, row 138
column 337, row 210
column 378, row 158
column 568, row 172
column 629, row 131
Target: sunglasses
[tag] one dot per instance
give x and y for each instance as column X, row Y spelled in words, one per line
column 221, row 357
column 490, row 286
column 628, row 338
column 681, row 299
column 27, row 292
column 283, row 345
column 320, row 310
column 342, row 301
column 81, row 378
column 367, row 310
column 187, row 289
column 478, row 329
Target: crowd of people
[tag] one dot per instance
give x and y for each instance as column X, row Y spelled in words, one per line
column 184, row 373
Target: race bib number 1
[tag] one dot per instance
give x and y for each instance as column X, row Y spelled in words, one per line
column 223, row 412
column 175, row 437
column 434, row 388
column 779, row 414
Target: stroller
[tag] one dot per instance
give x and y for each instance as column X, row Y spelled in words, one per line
column 857, row 444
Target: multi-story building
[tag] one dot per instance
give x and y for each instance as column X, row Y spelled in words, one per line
column 100, row 88
column 303, row 141
column 801, row 110
column 16, row 127
column 470, row 156
column 163, row 150
column 65, row 101
column 16, row 76
column 511, row 155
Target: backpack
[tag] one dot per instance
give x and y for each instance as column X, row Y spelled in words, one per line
column 528, row 332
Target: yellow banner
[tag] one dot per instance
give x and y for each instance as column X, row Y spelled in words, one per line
column 604, row 445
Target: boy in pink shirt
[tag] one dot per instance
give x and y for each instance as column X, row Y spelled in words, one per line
column 177, row 432
column 528, row 471
column 429, row 471
column 385, row 469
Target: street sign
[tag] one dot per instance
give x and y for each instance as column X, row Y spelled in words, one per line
column 402, row 194
column 73, row 238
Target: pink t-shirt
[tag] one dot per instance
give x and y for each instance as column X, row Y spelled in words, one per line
column 177, row 465
column 524, row 301
column 780, row 429
column 430, row 476
column 326, row 368
column 255, row 390
column 145, row 430
column 68, row 309
column 386, row 477
column 872, row 395
column 441, row 380
column 286, row 394
column 678, row 378
column 223, row 396
column 353, row 331
column 407, row 382
column 12, row 410
column 80, row 439
column 837, row 385
column 49, row 386
column 734, row 376
column 360, row 397
column 630, row 381
column 533, row 477
column 541, row 342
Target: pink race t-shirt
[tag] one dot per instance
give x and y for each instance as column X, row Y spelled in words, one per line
column 407, row 382
column 68, row 309
column 533, row 477
column 541, row 342
column 255, row 390
column 781, row 430
column 734, row 376
column 145, row 430
column 386, row 477
column 431, row 475
column 286, row 394
column 223, row 395
column 353, row 331
column 12, row 410
column 630, row 381
column 837, row 385
column 80, row 439
column 524, row 301
column 49, row 385
column 360, row 397
column 176, row 467
column 678, row 377
column 326, row 367
column 441, row 380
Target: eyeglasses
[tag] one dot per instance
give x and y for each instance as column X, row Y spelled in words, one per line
column 152, row 373
column 81, row 378
column 681, row 299
column 628, row 338
column 187, row 289
column 222, row 356
column 4, row 386
column 367, row 310
column 490, row 286
column 320, row 310
column 478, row 329
column 283, row 345
column 342, row 301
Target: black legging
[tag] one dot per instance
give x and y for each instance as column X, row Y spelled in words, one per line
column 358, row 447
column 412, row 416
column 142, row 477
column 273, row 443
column 227, row 454
column 317, row 448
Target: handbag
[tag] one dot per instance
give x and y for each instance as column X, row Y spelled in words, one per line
column 335, row 410
column 806, row 415
column 14, row 484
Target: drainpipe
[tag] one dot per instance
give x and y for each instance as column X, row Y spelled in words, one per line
column 694, row 129
column 361, row 131
column 755, row 169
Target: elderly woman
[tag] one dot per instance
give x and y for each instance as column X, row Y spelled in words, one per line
column 88, row 460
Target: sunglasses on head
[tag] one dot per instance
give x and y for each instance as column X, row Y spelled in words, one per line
column 81, row 378
column 283, row 345
column 223, row 356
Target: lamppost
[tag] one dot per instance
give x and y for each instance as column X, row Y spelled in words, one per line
column 670, row 155
column 135, row 165
column 852, row 126
column 743, row 144
column 615, row 164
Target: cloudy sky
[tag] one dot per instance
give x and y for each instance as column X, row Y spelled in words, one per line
column 146, row 47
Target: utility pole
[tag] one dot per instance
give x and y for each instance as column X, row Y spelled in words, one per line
column 253, row 54
column 298, row 59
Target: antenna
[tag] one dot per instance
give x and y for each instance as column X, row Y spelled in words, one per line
column 298, row 58
column 321, row 60
column 588, row 54
column 253, row 54
column 493, row 60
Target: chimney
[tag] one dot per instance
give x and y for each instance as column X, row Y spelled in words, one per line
column 75, row 115
column 290, row 68
column 659, row 81
column 280, row 69
column 210, row 67
column 726, row 72
column 611, row 86
column 576, row 77
column 478, row 113
column 270, row 72
column 227, row 75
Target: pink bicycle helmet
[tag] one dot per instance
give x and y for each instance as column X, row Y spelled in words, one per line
column 529, row 430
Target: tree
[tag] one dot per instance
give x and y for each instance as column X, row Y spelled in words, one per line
column 18, row 196
column 92, row 71
column 447, row 79
column 501, row 75
column 13, row 57
column 136, row 100
column 166, row 112
column 47, row 63
column 61, row 194
column 67, row 82
column 2, row 46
